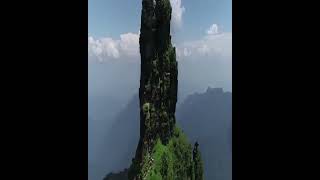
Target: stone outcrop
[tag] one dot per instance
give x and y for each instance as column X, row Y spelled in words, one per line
column 198, row 164
column 163, row 151
column 158, row 81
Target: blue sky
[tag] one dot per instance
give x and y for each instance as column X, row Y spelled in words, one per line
column 201, row 33
column 110, row 18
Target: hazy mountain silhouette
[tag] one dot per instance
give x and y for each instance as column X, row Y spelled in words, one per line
column 204, row 117
column 122, row 175
column 207, row 118
column 119, row 143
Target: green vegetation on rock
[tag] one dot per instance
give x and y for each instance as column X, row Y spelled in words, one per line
column 173, row 161
column 163, row 152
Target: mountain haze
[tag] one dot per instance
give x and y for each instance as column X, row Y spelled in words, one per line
column 205, row 117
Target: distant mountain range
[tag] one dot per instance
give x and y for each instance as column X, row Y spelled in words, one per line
column 119, row 143
column 204, row 117
column 207, row 118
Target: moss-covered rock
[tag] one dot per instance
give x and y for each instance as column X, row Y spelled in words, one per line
column 172, row 161
column 163, row 152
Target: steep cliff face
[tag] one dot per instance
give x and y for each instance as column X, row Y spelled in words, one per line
column 158, row 83
column 163, row 151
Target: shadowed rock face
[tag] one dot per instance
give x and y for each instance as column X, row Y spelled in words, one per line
column 158, row 80
column 163, row 151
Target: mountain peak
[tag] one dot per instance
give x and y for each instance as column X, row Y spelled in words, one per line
column 163, row 151
column 214, row 90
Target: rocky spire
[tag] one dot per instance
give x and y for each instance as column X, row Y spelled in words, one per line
column 198, row 165
column 158, row 80
column 163, row 151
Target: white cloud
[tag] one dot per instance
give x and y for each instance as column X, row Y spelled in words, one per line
column 105, row 49
column 213, row 44
column 126, row 48
column 213, row 29
column 210, row 45
column 177, row 12
column 186, row 52
column 129, row 44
